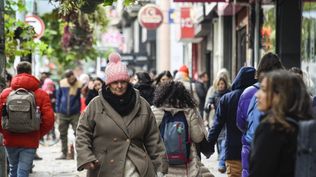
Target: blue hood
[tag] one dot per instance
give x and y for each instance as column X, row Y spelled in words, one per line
column 244, row 78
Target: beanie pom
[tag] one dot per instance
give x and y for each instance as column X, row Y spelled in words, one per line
column 115, row 57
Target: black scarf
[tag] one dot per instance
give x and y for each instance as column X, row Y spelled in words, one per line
column 123, row 104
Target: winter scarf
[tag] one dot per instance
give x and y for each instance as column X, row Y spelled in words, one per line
column 123, row 104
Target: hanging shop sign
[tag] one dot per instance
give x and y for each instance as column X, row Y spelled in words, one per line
column 37, row 23
column 150, row 16
column 186, row 23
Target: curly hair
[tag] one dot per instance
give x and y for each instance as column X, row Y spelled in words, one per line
column 287, row 95
column 173, row 93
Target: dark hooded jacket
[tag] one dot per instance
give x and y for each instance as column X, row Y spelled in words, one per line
column 226, row 114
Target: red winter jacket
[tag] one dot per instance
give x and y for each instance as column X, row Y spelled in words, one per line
column 28, row 140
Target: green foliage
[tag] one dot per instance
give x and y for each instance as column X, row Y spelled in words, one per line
column 72, row 37
column 86, row 6
column 12, row 6
column 19, row 36
column 78, row 43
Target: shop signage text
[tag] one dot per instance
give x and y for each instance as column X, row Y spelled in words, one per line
column 150, row 16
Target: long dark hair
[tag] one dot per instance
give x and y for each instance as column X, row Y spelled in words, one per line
column 288, row 97
column 164, row 73
column 173, row 93
column 144, row 78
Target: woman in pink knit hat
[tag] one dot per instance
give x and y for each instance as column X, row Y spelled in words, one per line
column 117, row 134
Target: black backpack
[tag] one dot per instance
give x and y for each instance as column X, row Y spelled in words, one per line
column 305, row 165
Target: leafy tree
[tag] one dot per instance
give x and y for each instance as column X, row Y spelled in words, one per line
column 70, row 33
column 19, row 36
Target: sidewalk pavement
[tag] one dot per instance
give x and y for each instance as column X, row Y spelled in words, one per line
column 49, row 167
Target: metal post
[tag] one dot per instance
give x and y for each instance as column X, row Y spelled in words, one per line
column 256, row 34
column 288, row 32
column 234, row 68
column 3, row 161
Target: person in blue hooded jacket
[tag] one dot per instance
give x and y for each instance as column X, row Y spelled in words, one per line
column 68, row 108
column 247, row 113
column 226, row 115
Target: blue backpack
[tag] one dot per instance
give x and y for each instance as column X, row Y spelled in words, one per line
column 175, row 134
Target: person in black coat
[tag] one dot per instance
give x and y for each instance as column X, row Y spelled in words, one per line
column 144, row 85
column 98, row 83
column 282, row 96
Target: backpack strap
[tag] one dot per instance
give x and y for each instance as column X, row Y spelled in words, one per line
column 293, row 121
column 163, row 122
column 256, row 85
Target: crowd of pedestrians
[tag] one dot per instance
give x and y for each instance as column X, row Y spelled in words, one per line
column 149, row 126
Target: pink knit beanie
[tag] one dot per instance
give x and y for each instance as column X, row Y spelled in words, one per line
column 115, row 70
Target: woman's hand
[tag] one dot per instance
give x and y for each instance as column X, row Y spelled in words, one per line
column 212, row 106
column 205, row 123
column 91, row 165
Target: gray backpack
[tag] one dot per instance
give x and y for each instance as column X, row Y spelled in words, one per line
column 21, row 113
column 306, row 148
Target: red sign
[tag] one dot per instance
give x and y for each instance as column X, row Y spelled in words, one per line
column 150, row 16
column 186, row 23
column 199, row 0
column 37, row 23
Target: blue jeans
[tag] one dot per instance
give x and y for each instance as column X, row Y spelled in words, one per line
column 20, row 161
column 222, row 149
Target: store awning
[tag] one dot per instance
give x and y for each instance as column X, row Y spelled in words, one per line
column 228, row 9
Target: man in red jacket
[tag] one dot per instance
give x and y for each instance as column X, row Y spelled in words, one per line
column 21, row 147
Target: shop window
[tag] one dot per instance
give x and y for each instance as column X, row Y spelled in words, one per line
column 308, row 44
column 268, row 28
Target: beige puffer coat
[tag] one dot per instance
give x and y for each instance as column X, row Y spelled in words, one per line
column 197, row 132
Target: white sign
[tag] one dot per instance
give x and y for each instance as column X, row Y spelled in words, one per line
column 37, row 24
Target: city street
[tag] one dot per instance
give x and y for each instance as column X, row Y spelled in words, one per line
column 49, row 167
column 125, row 65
